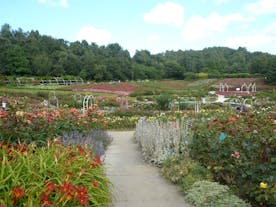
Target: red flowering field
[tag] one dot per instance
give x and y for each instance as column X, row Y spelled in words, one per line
column 174, row 84
column 121, row 88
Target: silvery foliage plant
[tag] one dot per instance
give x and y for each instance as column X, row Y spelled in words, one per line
column 161, row 139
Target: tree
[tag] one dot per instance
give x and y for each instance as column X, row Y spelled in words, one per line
column 271, row 71
column 42, row 64
column 5, row 45
column 17, row 63
column 30, row 53
column 173, row 70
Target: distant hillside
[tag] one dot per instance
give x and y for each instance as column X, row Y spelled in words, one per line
column 32, row 54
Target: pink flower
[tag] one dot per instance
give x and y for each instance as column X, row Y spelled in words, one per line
column 274, row 131
column 235, row 155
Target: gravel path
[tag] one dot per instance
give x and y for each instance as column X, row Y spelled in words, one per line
column 136, row 183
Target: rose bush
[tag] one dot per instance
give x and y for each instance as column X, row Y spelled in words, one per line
column 240, row 150
column 40, row 124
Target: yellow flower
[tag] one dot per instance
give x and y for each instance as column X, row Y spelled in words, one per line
column 263, row 185
column 19, row 113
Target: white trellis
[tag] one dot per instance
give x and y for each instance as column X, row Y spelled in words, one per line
column 61, row 81
column 53, row 99
column 87, row 102
column 197, row 107
column 223, row 86
column 247, row 87
column 123, row 102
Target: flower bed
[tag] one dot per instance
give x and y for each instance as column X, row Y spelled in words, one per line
column 54, row 175
column 113, row 88
column 41, row 124
column 52, row 157
column 240, row 150
column 121, row 122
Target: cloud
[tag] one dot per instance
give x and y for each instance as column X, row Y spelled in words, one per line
column 92, row 34
column 203, row 28
column 259, row 41
column 167, row 13
column 262, row 7
column 62, row 3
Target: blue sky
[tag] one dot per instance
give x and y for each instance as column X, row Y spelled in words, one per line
column 154, row 25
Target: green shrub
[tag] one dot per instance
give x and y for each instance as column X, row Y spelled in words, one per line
column 163, row 101
column 240, row 151
column 174, row 168
column 212, row 194
column 42, row 94
column 184, row 172
column 131, row 112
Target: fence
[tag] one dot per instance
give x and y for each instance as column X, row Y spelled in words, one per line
column 29, row 80
column 160, row 139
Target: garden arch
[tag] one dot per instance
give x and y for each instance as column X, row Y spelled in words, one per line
column 223, row 86
column 87, row 102
column 53, row 99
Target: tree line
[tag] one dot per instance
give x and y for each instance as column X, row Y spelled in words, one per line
column 32, row 54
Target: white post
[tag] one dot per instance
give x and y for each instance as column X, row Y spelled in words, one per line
column 4, row 105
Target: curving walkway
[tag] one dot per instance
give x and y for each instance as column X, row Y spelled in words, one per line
column 136, row 183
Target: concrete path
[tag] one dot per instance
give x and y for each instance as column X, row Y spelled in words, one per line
column 136, row 183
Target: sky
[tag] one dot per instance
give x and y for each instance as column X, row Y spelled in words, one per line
column 153, row 25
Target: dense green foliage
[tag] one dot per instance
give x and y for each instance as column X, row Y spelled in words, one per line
column 184, row 172
column 240, row 151
column 30, row 53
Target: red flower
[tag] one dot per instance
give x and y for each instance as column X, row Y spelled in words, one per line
column 68, row 175
column 97, row 160
column 68, row 191
column 95, row 184
column 3, row 114
column 50, row 187
column 2, row 205
column 17, row 193
column 81, row 150
column 72, row 154
column 82, row 195
column 84, row 200
column 66, row 187
column 45, row 200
